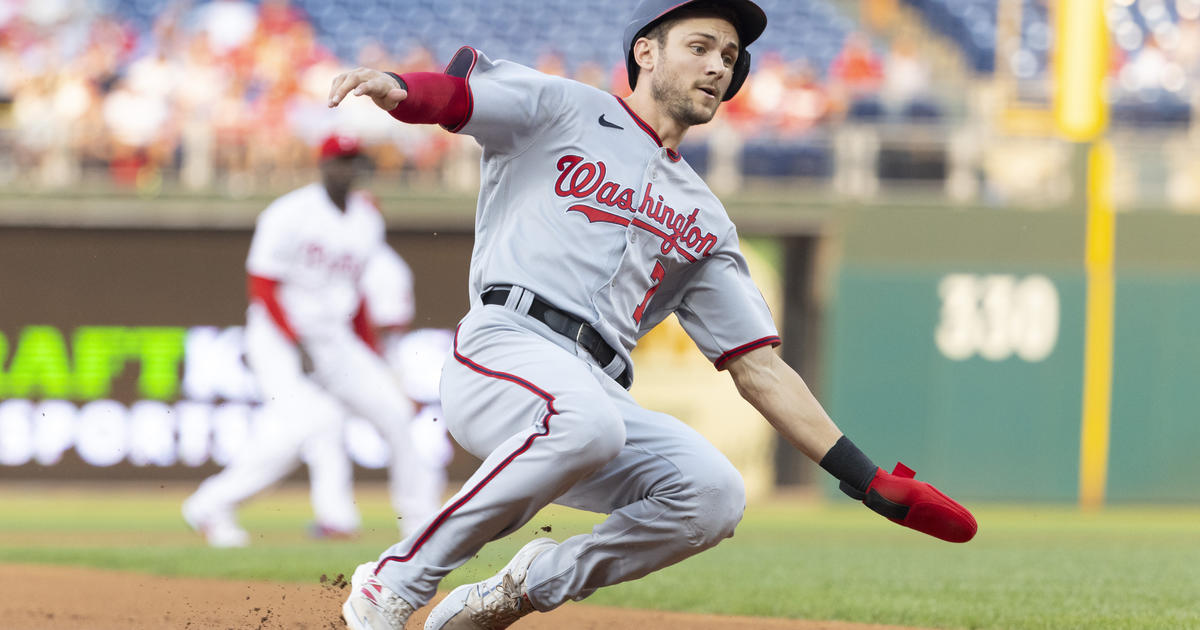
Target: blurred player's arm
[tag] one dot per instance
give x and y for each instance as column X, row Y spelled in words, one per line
column 265, row 291
column 414, row 97
column 363, row 327
column 386, row 286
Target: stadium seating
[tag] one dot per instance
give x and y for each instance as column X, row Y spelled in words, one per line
column 522, row 30
column 806, row 156
column 772, row 157
column 576, row 33
column 1135, row 25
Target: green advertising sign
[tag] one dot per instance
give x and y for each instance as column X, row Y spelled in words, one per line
column 41, row 364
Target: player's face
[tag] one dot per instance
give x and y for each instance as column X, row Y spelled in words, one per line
column 338, row 174
column 695, row 68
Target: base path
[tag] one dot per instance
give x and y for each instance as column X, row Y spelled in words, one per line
column 37, row 597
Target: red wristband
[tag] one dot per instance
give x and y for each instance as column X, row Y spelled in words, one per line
column 433, row 97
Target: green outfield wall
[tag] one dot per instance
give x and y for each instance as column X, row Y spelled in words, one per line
column 954, row 341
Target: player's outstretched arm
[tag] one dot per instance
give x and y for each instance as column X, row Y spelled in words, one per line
column 782, row 397
column 381, row 87
column 414, row 97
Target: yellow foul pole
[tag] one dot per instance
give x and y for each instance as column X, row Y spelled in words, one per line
column 1098, row 335
column 1081, row 115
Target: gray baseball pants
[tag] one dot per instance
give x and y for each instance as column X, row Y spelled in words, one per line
column 550, row 427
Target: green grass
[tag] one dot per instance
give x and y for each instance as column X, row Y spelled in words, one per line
column 1030, row 568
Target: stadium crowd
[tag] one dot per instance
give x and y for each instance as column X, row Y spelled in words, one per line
column 233, row 93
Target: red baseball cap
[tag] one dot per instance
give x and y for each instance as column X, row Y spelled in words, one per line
column 337, row 146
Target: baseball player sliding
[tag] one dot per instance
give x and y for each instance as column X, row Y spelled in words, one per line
column 590, row 230
column 310, row 346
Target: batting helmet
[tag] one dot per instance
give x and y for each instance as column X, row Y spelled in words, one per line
column 751, row 22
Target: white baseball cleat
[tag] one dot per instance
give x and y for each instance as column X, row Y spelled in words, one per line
column 494, row 603
column 219, row 527
column 373, row 606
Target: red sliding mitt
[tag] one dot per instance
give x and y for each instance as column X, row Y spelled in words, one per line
column 916, row 504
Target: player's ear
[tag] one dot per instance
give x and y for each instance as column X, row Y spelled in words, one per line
column 645, row 53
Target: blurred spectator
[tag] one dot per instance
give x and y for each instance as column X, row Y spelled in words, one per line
column 857, row 68
column 906, row 78
column 228, row 24
column 153, row 75
column 857, row 75
column 10, row 67
column 551, row 62
column 619, row 79
column 764, row 93
column 1188, row 50
column 133, row 117
column 418, row 58
column 879, row 15
column 805, row 102
column 35, row 122
column 1145, row 68
column 277, row 17
column 1150, row 71
column 372, row 54
column 781, row 97
column 593, row 74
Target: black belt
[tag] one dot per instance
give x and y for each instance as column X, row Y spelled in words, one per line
column 566, row 325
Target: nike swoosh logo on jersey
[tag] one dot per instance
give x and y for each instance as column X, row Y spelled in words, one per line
column 605, row 123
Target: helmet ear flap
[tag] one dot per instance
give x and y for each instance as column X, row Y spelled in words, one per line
column 741, row 69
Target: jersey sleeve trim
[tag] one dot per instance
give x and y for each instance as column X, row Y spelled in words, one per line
column 461, row 66
column 772, row 341
column 264, row 290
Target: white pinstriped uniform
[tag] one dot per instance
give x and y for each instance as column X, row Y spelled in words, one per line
column 582, row 206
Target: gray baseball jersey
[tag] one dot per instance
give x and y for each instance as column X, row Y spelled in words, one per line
column 591, row 172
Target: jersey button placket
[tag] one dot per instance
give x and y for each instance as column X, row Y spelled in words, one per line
column 651, row 176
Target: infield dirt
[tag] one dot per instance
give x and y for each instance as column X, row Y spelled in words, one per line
column 36, row 597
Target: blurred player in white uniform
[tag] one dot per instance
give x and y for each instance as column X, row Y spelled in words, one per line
column 416, row 358
column 308, row 342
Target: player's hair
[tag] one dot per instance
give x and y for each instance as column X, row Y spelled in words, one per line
column 659, row 31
